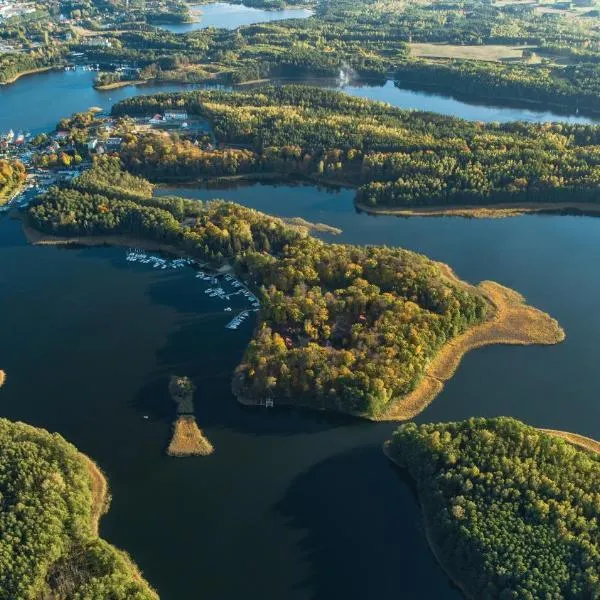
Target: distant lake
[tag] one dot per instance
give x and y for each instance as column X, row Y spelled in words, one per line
column 231, row 16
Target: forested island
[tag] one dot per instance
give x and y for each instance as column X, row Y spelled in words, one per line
column 398, row 160
column 52, row 499
column 510, row 511
column 344, row 328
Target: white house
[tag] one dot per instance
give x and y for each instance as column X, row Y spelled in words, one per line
column 176, row 115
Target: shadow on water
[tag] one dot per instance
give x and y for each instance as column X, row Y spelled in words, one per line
column 352, row 511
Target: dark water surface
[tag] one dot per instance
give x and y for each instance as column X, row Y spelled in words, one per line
column 549, row 259
column 231, row 16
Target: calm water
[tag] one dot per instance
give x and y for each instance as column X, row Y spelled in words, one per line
column 289, row 500
column 447, row 105
column 231, row 16
column 36, row 103
column 550, row 259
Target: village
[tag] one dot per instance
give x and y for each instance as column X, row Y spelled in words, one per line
column 63, row 154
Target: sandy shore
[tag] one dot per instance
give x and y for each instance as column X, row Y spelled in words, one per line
column 119, row 84
column 38, row 238
column 489, row 211
column 188, row 439
column 577, row 440
column 100, row 495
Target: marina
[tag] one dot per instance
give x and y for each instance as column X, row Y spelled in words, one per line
column 136, row 255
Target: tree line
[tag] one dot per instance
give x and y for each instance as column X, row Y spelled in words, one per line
column 48, row 546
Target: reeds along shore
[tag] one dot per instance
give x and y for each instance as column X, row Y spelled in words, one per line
column 2, row 377
column 188, row 439
column 510, row 321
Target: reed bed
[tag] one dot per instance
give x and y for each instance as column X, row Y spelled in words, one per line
column 188, row 439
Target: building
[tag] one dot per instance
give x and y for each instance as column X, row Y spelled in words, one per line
column 113, row 143
column 156, row 119
column 176, row 115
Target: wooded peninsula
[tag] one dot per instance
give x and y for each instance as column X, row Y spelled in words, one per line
column 510, row 511
column 52, row 498
column 397, row 159
column 345, row 328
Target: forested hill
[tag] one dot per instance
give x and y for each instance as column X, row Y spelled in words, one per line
column 396, row 158
column 512, row 512
column 342, row 327
column 49, row 546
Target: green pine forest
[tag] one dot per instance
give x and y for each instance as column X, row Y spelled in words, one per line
column 512, row 512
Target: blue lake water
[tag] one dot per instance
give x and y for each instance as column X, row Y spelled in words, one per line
column 231, row 16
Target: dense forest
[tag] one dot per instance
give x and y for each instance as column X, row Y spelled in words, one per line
column 512, row 512
column 12, row 175
column 49, row 546
column 344, row 328
column 14, row 64
column 396, row 158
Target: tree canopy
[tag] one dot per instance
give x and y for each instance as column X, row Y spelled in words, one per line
column 512, row 512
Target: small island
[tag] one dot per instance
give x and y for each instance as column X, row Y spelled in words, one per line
column 510, row 511
column 187, row 439
column 368, row 331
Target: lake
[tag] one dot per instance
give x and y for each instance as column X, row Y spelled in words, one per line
column 292, row 504
column 231, row 16
column 290, row 499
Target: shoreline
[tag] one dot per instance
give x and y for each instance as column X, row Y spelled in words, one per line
column 510, row 102
column 119, row 84
column 510, row 321
column 427, row 530
column 581, row 441
column 485, row 211
column 100, row 493
column 38, row 238
column 29, row 72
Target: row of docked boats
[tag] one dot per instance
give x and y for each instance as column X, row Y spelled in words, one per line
column 157, row 262
column 135, row 255
column 238, row 320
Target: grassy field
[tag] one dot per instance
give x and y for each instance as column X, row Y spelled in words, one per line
column 491, row 53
